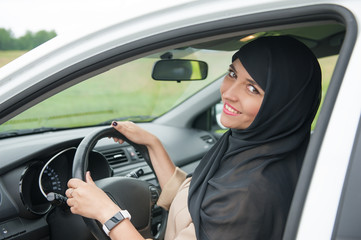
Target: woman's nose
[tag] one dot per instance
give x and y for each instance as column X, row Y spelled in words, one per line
column 230, row 93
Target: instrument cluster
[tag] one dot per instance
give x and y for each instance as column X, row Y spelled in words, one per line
column 41, row 178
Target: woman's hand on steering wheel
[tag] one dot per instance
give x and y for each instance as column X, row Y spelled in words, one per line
column 134, row 133
column 86, row 199
column 163, row 166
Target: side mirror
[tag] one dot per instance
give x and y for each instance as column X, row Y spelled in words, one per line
column 179, row 70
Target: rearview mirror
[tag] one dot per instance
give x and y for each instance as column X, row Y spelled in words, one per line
column 180, row 70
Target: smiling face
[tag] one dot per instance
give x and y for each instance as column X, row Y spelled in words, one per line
column 242, row 97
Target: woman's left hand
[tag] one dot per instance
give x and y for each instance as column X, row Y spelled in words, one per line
column 87, row 200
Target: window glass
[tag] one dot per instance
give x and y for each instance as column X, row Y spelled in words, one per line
column 126, row 92
column 327, row 65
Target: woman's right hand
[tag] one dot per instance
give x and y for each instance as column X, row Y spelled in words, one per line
column 162, row 164
column 134, row 133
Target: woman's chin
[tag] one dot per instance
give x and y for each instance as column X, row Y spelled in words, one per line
column 225, row 123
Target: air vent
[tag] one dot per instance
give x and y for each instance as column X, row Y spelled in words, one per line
column 115, row 157
column 208, row 139
column 140, row 156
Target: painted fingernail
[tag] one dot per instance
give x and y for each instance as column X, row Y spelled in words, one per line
column 115, row 123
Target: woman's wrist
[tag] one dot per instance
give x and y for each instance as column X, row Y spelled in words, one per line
column 152, row 142
column 107, row 213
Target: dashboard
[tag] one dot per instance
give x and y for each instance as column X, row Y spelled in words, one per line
column 33, row 166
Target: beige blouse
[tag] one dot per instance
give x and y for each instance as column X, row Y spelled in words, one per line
column 174, row 197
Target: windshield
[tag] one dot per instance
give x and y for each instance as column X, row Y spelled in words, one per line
column 126, row 92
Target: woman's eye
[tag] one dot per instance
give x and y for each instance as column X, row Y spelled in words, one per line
column 232, row 74
column 252, row 89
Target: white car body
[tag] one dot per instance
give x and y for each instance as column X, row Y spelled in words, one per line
column 336, row 139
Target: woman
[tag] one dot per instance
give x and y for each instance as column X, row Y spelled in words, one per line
column 243, row 187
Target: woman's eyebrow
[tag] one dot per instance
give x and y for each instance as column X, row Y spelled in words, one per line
column 253, row 82
column 233, row 68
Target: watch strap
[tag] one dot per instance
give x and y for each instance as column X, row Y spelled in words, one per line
column 115, row 220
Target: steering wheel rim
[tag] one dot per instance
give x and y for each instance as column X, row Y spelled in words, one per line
column 80, row 165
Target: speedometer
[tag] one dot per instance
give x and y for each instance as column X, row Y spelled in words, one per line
column 56, row 172
column 50, row 181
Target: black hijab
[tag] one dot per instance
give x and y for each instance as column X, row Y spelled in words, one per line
column 243, row 186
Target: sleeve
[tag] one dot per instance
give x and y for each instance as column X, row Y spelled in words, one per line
column 189, row 233
column 170, row 189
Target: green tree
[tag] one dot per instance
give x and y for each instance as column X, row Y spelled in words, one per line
column 6, row 39
column 26, row 42
column 42, row 36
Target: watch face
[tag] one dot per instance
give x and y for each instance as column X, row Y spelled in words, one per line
column 113, row 221
column 116, row 219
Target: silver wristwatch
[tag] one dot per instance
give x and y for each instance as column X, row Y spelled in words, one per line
column 115, row 220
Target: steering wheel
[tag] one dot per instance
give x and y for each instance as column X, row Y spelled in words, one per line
column 135, row 195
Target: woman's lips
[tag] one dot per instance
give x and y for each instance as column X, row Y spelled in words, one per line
column 229, row 110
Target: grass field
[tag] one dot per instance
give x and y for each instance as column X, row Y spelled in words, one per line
column 84, row 104
column 327, row 66
column 8, row 56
